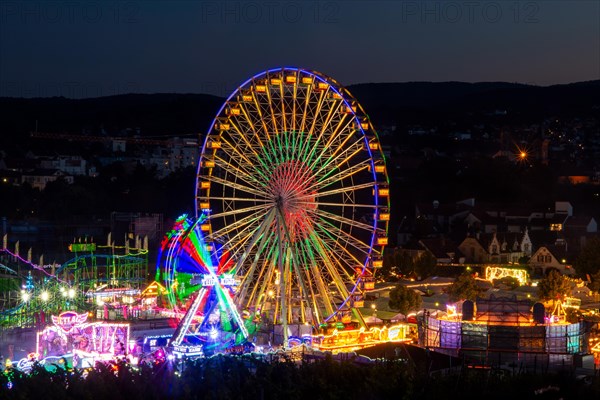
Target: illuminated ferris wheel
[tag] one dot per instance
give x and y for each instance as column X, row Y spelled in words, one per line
column 294, row 184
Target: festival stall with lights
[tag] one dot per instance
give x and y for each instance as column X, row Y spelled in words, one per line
column 72, row 336
column 506, row 329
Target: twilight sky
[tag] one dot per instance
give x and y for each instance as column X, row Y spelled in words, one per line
column 100, row 48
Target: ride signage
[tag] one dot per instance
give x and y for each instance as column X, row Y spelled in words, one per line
column 68, row 320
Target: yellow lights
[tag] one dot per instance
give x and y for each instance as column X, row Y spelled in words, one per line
column 290, row 79
column 382, row 191
column 271, row 293
column 260, row 88
column 322, row 85
column 492, row 273
column 204, row 185
column 213, row 144
column 379, row 168
column 25, row 296
column 350, row 340
column 336, row 96
column 369, row 285
column 45, row 296
column 224, row 126
column 364, row 125
column 71, row 293
column 275, row 81
column 307, row 80
column 556, row 227
column 247, row 98
column 382, row 241
column 384, row 216
column 373, row 306
column 205, row 227
column 234, row 111
column 373, row 145
column 204, row 206
column 377, row 263
column 521, row 155
column 208, row 164
column 359, row 303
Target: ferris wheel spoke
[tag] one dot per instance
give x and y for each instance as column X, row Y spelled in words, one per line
column 249, row 146
column 335, row 234
column 273, row 116
column 325, row 305
column 349, row 144
column 242, row 224
column 240, row 173
column 258, row 210
column 235, row 185
column 332, row 270
column 292, row 256
column 248, row 276
column 306, row 107
column 341, row 159
column 282, row 108
column 253, row 237
column 343, row 176
column 316, row 113
column 261, row 117
column 331, row 192
column 310, row 151
column 234, row 153
column 343, row 126
column 241, row 199
column 344, row 220
column 355, row 205
column 251, row 123
column 313, row 275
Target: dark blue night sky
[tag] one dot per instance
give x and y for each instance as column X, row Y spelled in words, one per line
column 96, row 48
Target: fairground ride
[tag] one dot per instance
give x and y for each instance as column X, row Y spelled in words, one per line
column 293, row 182
column 29, row 292
column 200, row 289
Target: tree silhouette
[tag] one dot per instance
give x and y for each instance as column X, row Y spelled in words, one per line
column 553, row 286
column 404, row 299
column 588, row 261
column 464, row 288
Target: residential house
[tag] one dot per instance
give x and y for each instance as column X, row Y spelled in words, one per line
column 496, row 248
column 444, row 250
column 551, row 257
column 38, row 178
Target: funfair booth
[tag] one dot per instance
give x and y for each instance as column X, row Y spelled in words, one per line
column 502, row 330
column 71, row 335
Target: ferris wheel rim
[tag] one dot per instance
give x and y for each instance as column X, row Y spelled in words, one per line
column 347, row 100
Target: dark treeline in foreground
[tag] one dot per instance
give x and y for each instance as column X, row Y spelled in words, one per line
column 249, row 378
